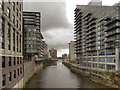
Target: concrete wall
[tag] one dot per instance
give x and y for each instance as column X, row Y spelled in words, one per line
column 19, row 84
column 30, row 68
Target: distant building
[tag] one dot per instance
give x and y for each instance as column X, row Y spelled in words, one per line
column 53, row 53
column 11, row 50
column 97, row 36
column 72, row 55
column 64, row 56
column 45, row 49
column 33, row 44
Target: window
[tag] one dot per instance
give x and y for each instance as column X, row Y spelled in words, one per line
column 3, row 61
column 8, row 12
column 14, row 61
column 20, row 60
column 13, row 6
column 18, row 72
column 20, row 43
column 17, row 41
column 20, row 7
column 13, row 19
column 10, row 77
column 3, row 33
column 4, row 80
column 17, row 60
column 14, row 73
column 17, row 23
column 17, row 12
column 2, row 5
column 13, row 39
column 9, row 37
column 10, row 63
column 20, row 17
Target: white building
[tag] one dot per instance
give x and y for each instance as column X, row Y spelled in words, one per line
column 72, row 56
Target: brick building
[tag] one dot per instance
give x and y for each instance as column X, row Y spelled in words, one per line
column 53, row 53
column 11, row 33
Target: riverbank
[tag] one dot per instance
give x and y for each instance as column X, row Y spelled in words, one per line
column 105, row 78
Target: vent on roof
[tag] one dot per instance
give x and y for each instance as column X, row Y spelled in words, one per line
column 95, row 2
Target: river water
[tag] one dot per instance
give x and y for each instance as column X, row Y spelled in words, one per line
column 59, row 76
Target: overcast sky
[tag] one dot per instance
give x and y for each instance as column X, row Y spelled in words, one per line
column 57, row 19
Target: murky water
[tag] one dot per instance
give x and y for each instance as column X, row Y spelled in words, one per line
column 59, row 76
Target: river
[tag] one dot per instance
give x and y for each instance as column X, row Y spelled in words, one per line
column 59, row 76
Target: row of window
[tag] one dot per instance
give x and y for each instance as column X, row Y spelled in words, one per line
column 13, row 17
column 18, row 37
column 11, row 61
column 11, row 76
column 101, row 66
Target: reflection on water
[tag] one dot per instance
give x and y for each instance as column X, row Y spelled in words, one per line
column 59, row 76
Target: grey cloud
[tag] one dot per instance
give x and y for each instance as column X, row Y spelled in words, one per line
column 56, row 29
column 53, row 15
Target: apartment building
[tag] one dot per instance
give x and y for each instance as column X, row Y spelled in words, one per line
column 97, row 36
column 72, row 55
column 11, row 33
column 32, row 35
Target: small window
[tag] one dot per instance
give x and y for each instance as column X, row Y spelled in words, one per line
column 10, row 63
column 10, row 77
column 20, row 60
column 17, row 12
column 18, row 72
column 17, row 60
column 14, row 73
column 3, row 62
column 14, row 61
column 8, row 12
column 13, row 6
column 13, row 19
column 4, row 80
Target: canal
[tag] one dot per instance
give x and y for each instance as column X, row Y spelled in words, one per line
column 59, row 76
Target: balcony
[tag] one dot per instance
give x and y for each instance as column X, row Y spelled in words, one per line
column 110, row 40
column 112, row 21
column 113, row 33
column 117, row 25
column 109, row 46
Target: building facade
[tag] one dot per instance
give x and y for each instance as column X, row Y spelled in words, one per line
column 53, row 53
column 11, row 34
column 45, row 49
column 32, row 34
column 72, row 55
column 97, row 36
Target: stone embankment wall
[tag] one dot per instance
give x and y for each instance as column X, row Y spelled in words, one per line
column 30, row 68
column 105, row 78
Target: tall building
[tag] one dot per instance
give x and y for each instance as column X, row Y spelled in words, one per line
column 32, row 34
column 97, row 36
column 72, row 55
column 11, row 33
column 53, row 53
column 45, row 49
